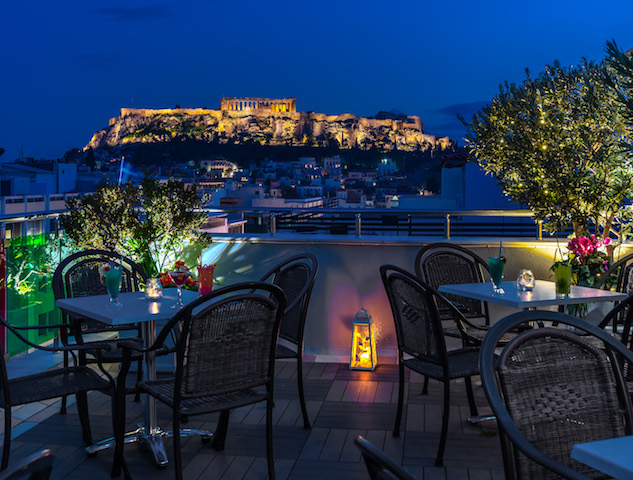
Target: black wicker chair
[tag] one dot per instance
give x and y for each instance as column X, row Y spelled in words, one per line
column 59, row 382
column 422, row 344
column 79, row 276
column 623, row 269
column 551, row 388
column 37, row 466
column 379, row 465
column 444, row 264
column 618, row 321
column 295, row 276
column 225, row 359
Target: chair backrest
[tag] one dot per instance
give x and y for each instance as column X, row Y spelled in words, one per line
column 228, row 339
column 552, row 388
column 619, row 321
column 379, row 465
column 444, row 264
column 79, row 274
column 295, row 276
column 37, row 466
column 416, row 316
column 623, row 269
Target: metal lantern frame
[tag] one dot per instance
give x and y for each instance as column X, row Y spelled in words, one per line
column 363, row 352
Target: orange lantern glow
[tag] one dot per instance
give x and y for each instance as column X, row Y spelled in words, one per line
column 363, row 355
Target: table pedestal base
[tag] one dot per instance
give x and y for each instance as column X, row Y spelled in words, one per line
column 152, row 440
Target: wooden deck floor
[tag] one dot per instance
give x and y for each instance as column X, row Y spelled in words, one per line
column 342, row 404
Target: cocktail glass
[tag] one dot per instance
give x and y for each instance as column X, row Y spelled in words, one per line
column 205, row 279
column 563, row 280
column 113, row 278
column 179, row 278
column 495, row 266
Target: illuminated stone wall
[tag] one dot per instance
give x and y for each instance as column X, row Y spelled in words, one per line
column 252, row 122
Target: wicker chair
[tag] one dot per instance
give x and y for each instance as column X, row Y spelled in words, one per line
column 445, row 263
column 78, row 276
column 623, row 268
column 59, row 382
column 379, row 465
column 295, row 276
column 37, row 466
column 619, row 323
column 550, row 389
column 225, row 359
column 422, row 344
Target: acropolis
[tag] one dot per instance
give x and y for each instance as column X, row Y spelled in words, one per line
column 277, row 105
column 267, row 121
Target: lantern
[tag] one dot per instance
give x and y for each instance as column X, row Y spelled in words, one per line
column 363, row 355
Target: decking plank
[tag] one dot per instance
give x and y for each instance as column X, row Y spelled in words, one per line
column 342, row 404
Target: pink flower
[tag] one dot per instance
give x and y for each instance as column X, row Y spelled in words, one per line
column 582, row 247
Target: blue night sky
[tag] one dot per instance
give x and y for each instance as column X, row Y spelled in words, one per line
column 68, row 66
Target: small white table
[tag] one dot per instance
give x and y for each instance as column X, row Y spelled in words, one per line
column 613, row 456
column 543, row 295
column 135, row 309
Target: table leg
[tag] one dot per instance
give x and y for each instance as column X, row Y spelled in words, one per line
column 150, row 434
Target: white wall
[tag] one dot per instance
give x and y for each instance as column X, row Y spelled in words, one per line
column 348, row 278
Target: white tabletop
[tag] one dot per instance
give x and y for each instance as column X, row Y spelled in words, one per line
column 612, row 456
column 135, row 307
column 544, row 294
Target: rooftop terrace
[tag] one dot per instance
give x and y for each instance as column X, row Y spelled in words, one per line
column 342, row 404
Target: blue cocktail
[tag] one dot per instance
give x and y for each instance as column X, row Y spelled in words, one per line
column 496, row 266
column 113, row 277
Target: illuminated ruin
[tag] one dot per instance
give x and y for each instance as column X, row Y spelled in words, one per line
column 275, row 105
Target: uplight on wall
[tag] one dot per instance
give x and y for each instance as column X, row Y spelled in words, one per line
column 363, row 354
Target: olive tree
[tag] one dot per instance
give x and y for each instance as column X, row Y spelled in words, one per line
column 553, row 143
column 152, row 222
column 622, row 66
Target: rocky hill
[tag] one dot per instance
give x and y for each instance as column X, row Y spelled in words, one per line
column 142, row 126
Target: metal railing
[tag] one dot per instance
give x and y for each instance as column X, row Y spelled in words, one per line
column 371, row 222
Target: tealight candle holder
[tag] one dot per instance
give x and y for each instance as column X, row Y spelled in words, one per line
column 525, row 281
column 153, row 289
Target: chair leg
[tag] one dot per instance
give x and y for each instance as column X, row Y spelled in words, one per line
column 269, row 438
column 302, row 398
column 425, row 388
column 176, row 440
column 396, row 427
column 62, row 409
column 471, row 396
column 139, row 378
column 439, row 460
column 119, row 421
column 82, row 410
column 219, row 436
column 6, row 447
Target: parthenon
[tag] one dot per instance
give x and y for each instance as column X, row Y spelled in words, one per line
column 265, row 104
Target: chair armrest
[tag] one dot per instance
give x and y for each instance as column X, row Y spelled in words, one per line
column 40, row 327
column 132, row 345
column 457, row 312
column 59, row 348
column 462, row 323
